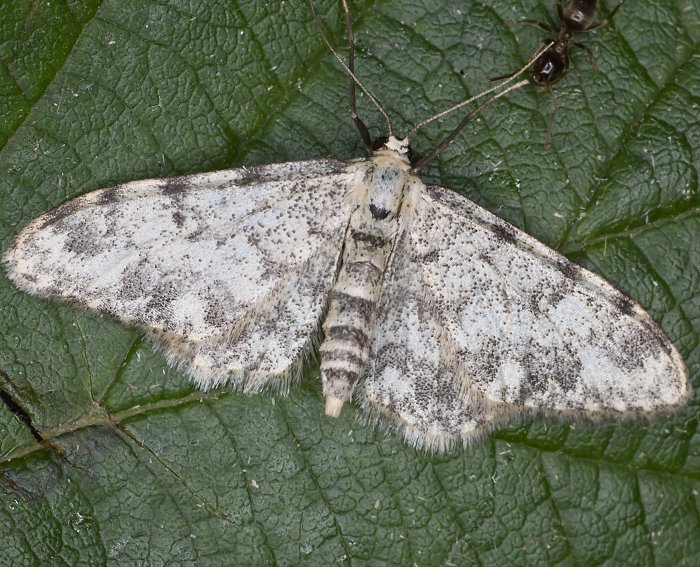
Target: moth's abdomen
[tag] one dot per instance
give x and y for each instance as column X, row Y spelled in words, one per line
column 348, row 324
column 379, row 194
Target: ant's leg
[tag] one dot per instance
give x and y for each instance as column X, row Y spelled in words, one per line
column 615, row 9
column 550, row 123
column 588, row 52
column 542, row 25
column 606, row 20
column 511, row 75
column 501, row 77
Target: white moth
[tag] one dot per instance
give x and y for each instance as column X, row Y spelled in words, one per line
column 441, row 319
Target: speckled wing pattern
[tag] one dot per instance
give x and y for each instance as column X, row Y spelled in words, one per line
column 493, row 324
column 227, row 272
column 412, row 382
column 444, row 319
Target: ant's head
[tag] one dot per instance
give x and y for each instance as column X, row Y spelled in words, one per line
column 579, row 14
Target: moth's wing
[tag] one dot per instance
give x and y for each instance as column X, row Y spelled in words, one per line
column 412, row 381
column 530, row 328
column 267, row 346
column 204, row 264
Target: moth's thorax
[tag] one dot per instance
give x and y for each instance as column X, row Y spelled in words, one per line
column 384, row 184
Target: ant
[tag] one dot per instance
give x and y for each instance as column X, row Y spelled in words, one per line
column 576, row 16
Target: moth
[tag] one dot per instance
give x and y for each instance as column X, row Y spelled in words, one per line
column 437, row 317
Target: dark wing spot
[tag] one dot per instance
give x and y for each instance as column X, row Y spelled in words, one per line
column 59, row 213
column 215, row 315
column 195, row 235
column 110, row 195
column 568, row 268
column 503, row 232
column 178, row 219
column 175, row 185
column 430, row 257
column 623, row 304
column 556, row 295
column 652, row 339
column 534, row 302
column 486, row 258
column 79, row 239
column 30, row 277
column 567, row 377
column 488, row 360
column 251, row 175
column 559, row 365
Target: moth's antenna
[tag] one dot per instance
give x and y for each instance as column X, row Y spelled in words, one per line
column 364, row 132
column 459, row 105
column 468, row 118
column 352, row 78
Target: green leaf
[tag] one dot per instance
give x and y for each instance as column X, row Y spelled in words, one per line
column 137, row 467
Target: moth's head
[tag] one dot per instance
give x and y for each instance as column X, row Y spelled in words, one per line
column 393, row 144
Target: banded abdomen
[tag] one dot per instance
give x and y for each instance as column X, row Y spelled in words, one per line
column 372, row 232
column 348, row 325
